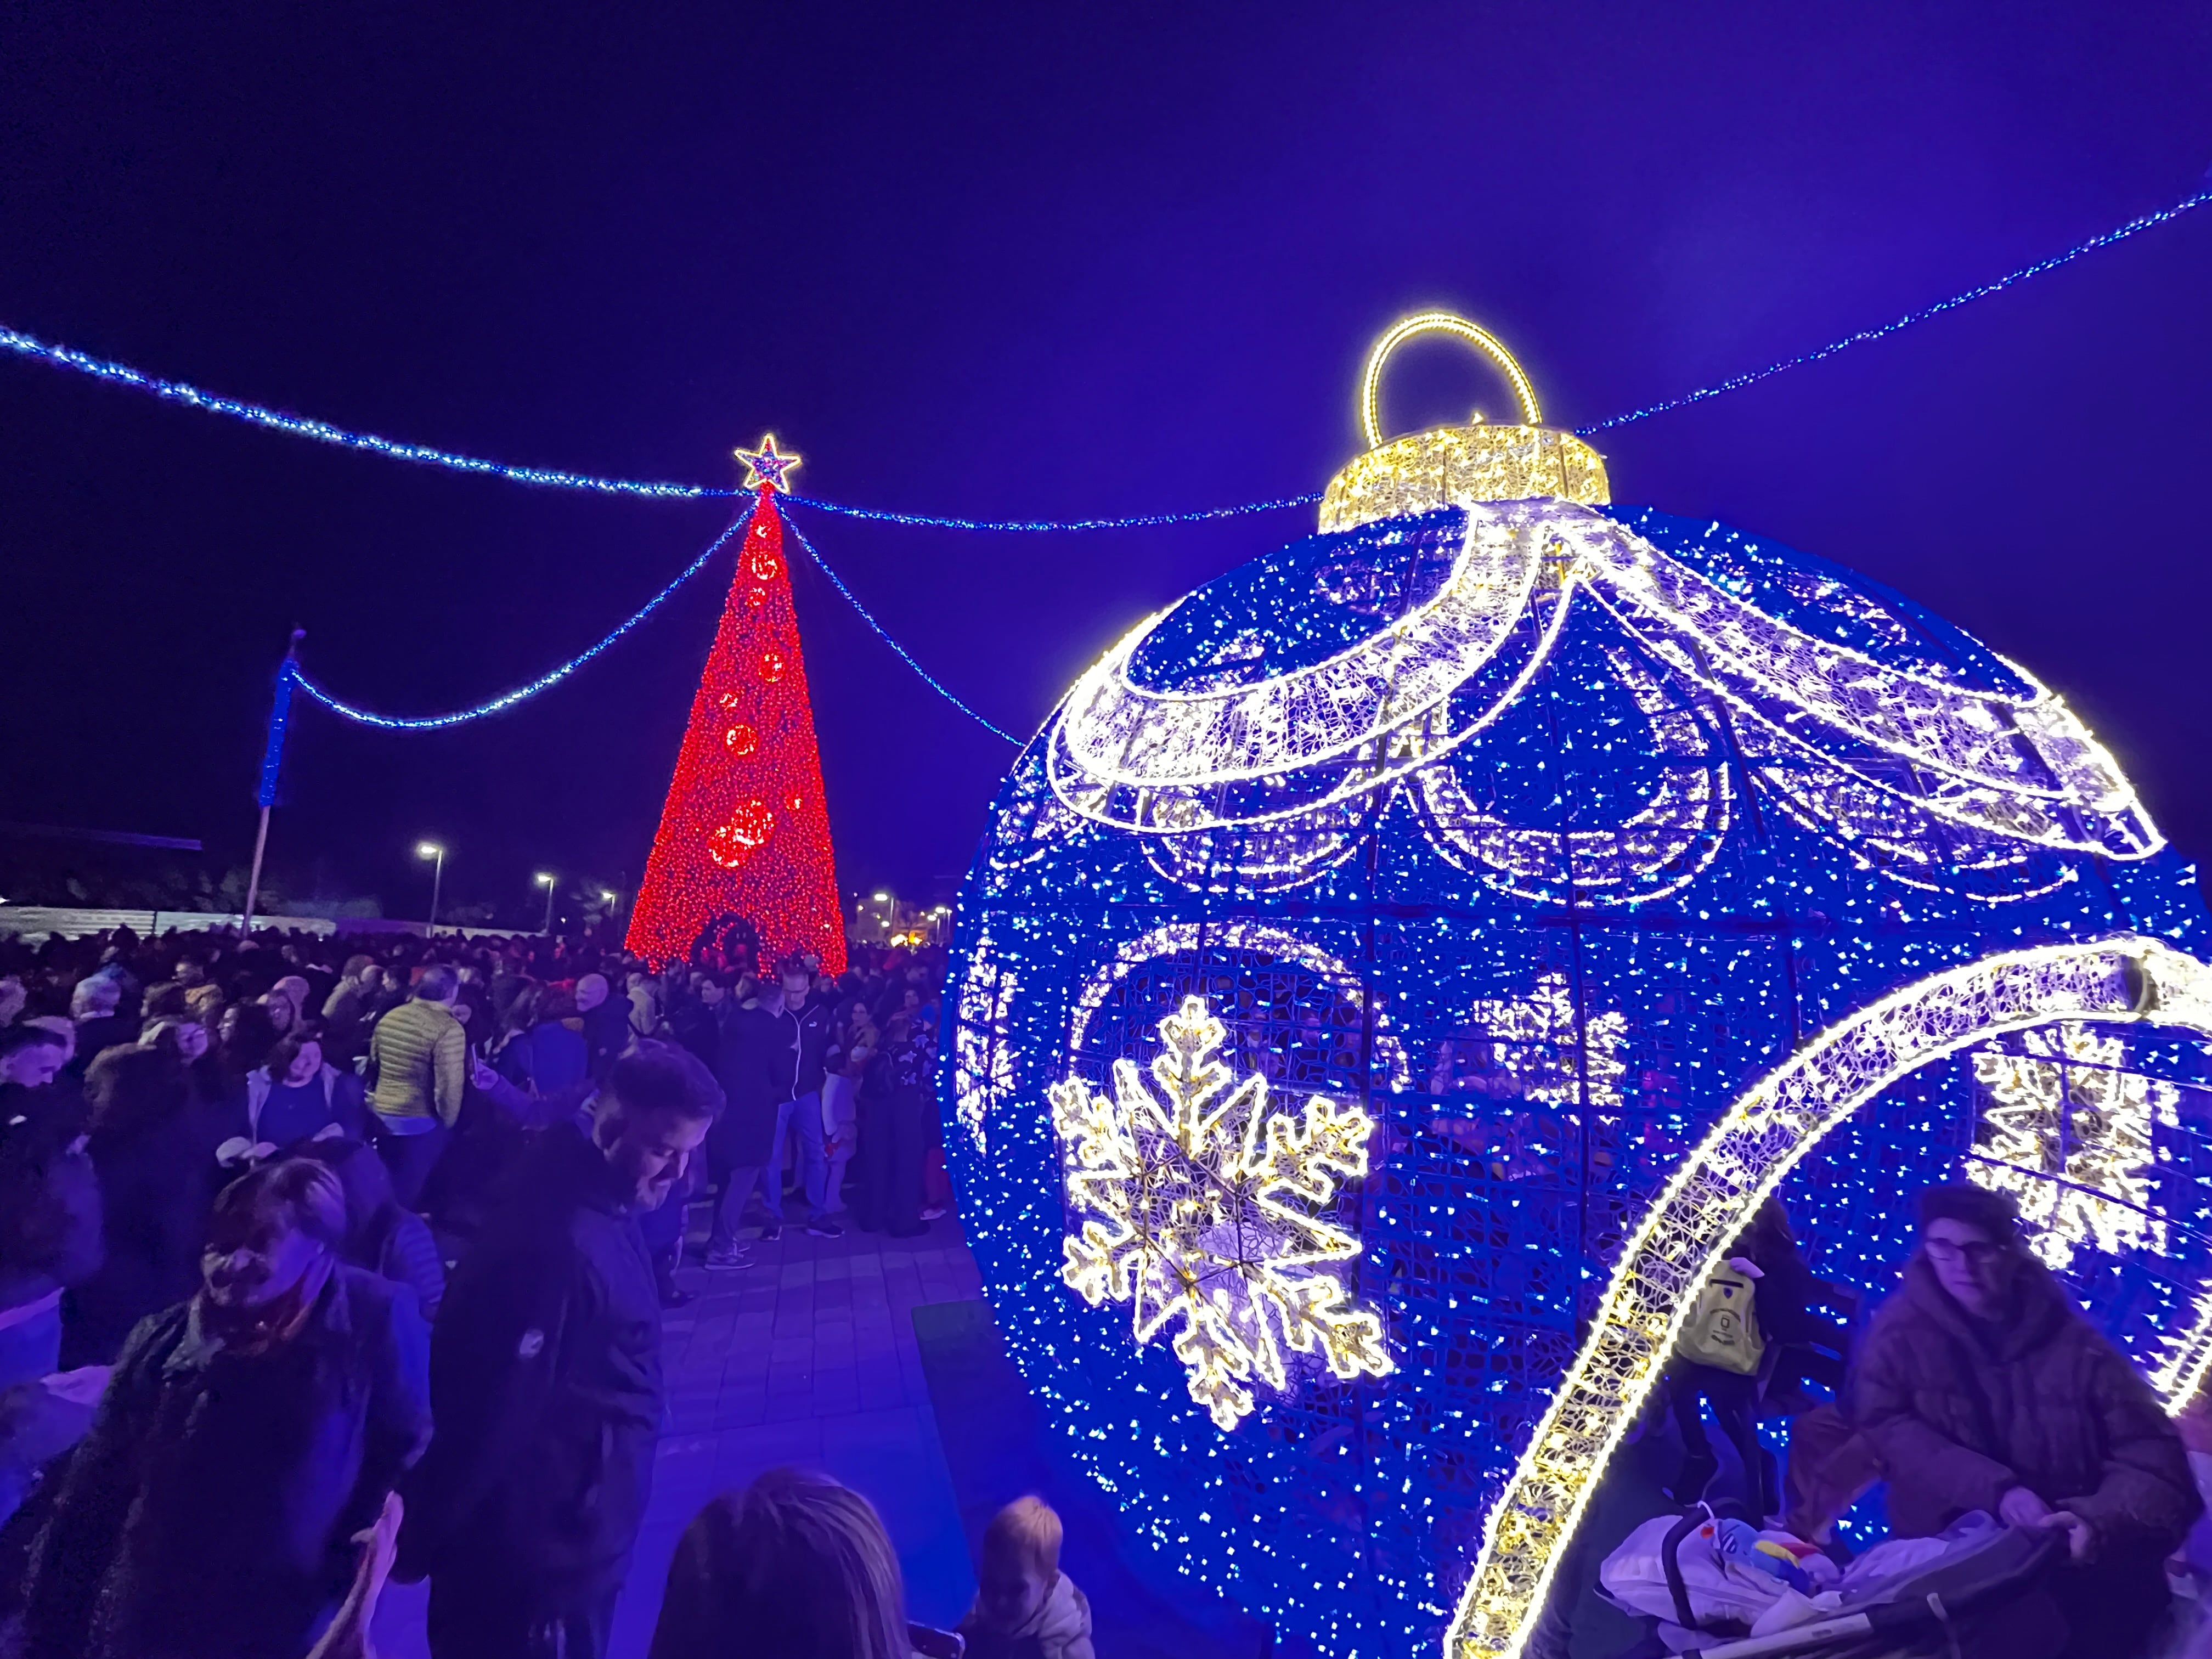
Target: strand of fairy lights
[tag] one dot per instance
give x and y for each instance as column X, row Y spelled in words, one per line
column 508, row 699
column 1716, row 1191
column 885, row 636
column 1140, row 522
column 299, row 426
column 1866, row 336
column 554, row 676
column 183, row 392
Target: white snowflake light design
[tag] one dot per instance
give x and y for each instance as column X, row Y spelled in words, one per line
column 2068, row 1134
column 1199, row 1202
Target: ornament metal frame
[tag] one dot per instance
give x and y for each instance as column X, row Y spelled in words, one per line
column 1618, row 870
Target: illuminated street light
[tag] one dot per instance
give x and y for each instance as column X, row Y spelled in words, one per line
column 430, row 849
column 548, row 882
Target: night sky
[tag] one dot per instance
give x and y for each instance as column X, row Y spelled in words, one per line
column 1043, row 260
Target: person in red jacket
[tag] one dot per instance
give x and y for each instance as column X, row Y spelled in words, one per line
column 1980, row 1386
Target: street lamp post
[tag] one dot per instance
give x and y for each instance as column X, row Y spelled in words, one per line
column 431, row 849
column 548, row 883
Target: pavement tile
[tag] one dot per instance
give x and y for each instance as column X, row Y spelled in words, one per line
column 807, row 1357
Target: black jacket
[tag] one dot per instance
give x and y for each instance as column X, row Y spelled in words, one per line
column 545, row 1382
column 606, row 1034
column 156, row 1183
column 768, row 1055
column 49, row 1208
column 207, row 1514
column 696, row 1026
column 96, row 1036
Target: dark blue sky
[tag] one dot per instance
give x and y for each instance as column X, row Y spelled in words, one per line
column 1044, row 260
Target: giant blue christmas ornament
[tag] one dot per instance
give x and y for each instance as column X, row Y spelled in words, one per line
column 1398, row 971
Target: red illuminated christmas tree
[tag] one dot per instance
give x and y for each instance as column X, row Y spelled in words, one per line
column 745, row 830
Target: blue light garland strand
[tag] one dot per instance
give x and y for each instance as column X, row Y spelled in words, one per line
column 508, row 699
column 299, row 426
column 323, row 432
column 1142, row 521
column 1737, row 382
column 883, row 634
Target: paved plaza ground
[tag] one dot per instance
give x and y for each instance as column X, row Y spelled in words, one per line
column 809, row 1356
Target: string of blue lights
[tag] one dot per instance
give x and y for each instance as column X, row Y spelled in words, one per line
column 299, row 426
column 1142, row 521
column 293, row 675
column 884, row 634
column 1737, row 382
column 508, row 699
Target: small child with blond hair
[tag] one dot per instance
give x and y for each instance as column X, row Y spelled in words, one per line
column 1025, row 1606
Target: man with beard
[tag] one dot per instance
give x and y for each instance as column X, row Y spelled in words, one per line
column 545, row 1380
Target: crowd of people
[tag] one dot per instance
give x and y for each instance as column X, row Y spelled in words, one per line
column 320, row 1264
column 319, row 1261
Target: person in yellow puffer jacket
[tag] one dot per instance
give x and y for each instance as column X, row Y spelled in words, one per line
column 418, row 1056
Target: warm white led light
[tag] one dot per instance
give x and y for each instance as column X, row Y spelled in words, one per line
column 1183, row 938
column 1552, row 1055
column 1720, row 1186
column 1198, row 1202
column 2010, row 770
column 1439, row 322
column 2067, row 1132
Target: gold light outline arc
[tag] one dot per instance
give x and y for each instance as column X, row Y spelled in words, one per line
column 1716, row 1189
column 1439, row 322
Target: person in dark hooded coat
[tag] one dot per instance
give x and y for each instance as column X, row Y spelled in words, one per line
column 50, row 1207
column 546, row 1379
column 154, row 1151
column 245, row 1435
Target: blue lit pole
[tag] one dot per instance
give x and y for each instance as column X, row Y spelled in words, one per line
column 272, row 762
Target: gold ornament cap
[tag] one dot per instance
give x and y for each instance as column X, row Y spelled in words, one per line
column 1458, row 466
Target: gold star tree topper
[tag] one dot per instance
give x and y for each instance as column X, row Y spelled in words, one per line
column 1201, row 1203
column 767, row 467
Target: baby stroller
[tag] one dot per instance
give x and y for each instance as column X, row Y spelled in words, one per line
column 1717, row 1589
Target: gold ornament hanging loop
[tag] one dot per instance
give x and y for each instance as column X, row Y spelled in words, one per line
column 1439, row 322
column 1480, row 461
